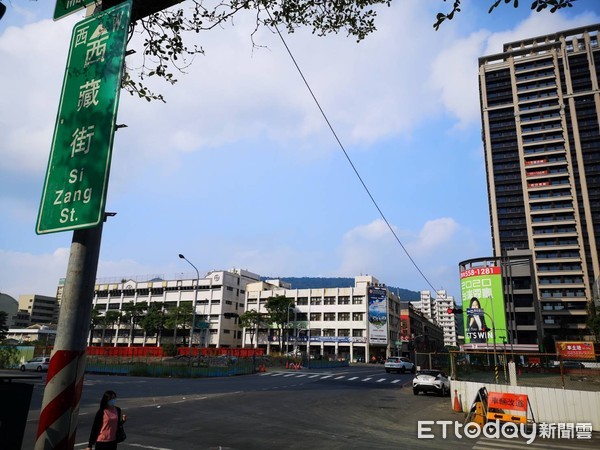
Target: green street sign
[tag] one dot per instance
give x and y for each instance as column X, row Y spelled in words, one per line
column 65, row 7
column 77, row 176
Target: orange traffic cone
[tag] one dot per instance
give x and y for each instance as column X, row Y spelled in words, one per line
column 287, row 365
column 457, row 406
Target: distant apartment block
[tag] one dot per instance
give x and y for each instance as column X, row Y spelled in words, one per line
column 436, row 309
column 35, row 309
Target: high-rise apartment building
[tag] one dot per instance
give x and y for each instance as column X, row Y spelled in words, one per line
column 437, row 311
column 540, row 103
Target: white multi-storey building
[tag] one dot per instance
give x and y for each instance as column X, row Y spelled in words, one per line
column 447, row 321
column 437, row 310
column 354, row 323
column 219, row 299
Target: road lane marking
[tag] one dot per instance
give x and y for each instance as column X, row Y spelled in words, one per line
column 352, row 379
column 366, row 379
column 380, row 380
column 326, row 376
column 337, row 378
column 395, row 381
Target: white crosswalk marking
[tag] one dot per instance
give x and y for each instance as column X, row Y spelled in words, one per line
column 336, row 377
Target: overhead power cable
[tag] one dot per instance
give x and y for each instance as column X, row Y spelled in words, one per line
column 348, row 157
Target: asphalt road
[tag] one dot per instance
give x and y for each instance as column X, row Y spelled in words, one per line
column 360, row 407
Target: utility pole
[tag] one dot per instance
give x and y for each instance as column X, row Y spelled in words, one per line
column 64, row 383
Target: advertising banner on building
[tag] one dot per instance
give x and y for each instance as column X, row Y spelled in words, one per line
column 378, row 328
column 483, row 305
column 576, row 350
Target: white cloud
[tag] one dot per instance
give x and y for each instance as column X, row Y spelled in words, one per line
column 372, row 250
column 454, row 72
column 27, row 273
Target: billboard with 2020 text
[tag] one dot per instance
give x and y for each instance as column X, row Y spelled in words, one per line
column 483, row 305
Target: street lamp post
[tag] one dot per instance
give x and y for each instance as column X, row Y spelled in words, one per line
column 287, row 337
column 195, row 299
column 494, row 342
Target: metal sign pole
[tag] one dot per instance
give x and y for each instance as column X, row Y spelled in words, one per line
column 60, row 406
column 74, row 199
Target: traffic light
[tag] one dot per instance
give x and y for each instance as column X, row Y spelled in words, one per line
column 455, row 311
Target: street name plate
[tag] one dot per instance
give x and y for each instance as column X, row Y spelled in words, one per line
column 77, row 176
column 65, row 7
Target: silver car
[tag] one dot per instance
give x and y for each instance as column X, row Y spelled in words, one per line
column 399, row 364
column 434, row 381
column 39, row 364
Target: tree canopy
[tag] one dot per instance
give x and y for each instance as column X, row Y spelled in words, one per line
column 165, row 52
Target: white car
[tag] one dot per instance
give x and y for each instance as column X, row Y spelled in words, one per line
column 431, row 381
column 39, row 364
column 399, row 364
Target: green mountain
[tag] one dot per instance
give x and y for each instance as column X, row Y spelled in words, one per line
column 339, row 282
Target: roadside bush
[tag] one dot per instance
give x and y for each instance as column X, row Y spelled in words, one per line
column 9, row 357
column 169, row 350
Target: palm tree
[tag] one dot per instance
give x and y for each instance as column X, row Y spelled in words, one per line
column 153, row 321
column 251, row 320
column 278, row 308
column 94, row 323
column 179, row 316
column 110, row 319
column 132, row 313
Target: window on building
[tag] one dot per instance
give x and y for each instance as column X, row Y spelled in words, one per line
column 329, row 301
column 330, row 332
column 344, row 316
column 345, row 300
column 358, row 333
column 358, row 316
column 315, row 316
column 358, row 300
column 302, row 301
column 315, row 332
column 344, row 332
column 315, row 300
column 329, row 316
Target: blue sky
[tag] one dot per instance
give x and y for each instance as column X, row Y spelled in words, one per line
column 238, row 168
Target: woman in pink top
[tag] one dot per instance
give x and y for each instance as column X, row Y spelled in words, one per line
column 107, row 421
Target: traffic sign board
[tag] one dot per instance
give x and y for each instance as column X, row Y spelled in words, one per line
column 475, row 312
column 77, row 175
column 65, row 7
